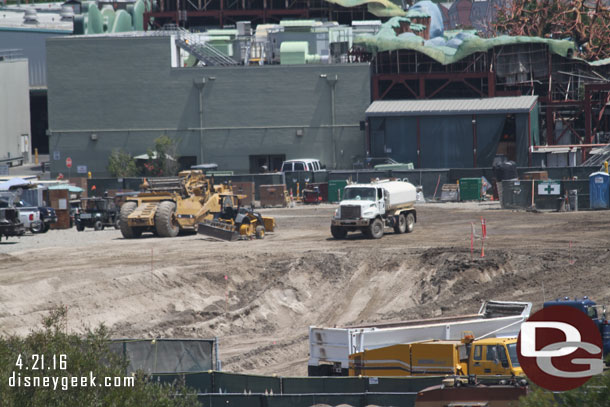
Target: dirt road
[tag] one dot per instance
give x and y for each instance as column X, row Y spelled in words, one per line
column 276, row 288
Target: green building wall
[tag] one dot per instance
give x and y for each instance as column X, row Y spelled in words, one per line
column 125, row 92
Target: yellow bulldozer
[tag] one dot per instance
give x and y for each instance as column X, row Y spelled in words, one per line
column 168, row 205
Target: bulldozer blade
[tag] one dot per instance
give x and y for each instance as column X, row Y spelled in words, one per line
column 218, row 230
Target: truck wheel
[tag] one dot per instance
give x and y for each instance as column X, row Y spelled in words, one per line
column 410, row 222
column 37, row 227
column 80, row 227
column 376, row 229
column 117, row 223
column 126, row 231
column 338, row 232
column 45, row 228
column 400, row 224
column 260, row 232
column 98, row 225
column 165, row 223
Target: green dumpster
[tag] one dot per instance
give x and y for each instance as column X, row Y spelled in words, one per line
column 470, row 189
column 335, row 189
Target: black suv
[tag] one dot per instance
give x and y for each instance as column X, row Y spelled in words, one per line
column 97, row 213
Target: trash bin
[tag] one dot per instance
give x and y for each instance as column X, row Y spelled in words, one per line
column 599, row 189
column 573, row 199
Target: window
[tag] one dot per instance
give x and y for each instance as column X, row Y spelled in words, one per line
column 267, row 163
column 502, row 355
column 299, row 167
column 478, row 351
column 492, row 353
column 379, row 193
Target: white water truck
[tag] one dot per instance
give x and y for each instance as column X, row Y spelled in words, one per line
column 370, row 208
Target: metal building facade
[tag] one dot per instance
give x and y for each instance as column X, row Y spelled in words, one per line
column 452, row 133
column 14, row 108
column 121, row 92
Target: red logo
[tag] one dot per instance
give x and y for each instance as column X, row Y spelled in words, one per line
column 560, row 348
column 69, row 162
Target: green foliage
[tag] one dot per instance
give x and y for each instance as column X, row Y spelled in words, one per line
column 121, row 164
column 87, row 357
column 162, row 158
column 595, row 393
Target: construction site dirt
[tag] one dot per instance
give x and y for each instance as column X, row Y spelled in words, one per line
column 260, row 296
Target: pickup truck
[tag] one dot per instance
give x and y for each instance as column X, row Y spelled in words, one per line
column 34, row 218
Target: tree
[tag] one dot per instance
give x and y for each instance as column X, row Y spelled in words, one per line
column 585, row 22
column 162, row 158
column 87, row 357
column 595, row 393
column 121, row 164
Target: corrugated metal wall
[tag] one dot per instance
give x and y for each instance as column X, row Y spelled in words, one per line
column 14, row 106
column 124, row 91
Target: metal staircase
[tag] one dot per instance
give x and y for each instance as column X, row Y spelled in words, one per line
column 200, row 49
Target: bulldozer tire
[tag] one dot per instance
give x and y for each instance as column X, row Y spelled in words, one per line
column 165, row 224
column 401, row 224
column 376, row 229
column 260, row 232
column 410, row 222
column 338, row 232
column 126, row 231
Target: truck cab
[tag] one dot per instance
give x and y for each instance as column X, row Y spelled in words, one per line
column 484, row 357
column 494, row 356
column 596, row 312
column 370, row 208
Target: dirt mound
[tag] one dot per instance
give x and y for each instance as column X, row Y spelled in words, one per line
column 260, row 297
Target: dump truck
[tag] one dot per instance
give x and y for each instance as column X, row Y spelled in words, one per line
column 168, row 205
column 329, row 348
column 596, row 312
column 490, row 356
column 370, row 208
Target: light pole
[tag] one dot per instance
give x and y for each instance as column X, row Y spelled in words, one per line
column 200, row 84
column 332, row 81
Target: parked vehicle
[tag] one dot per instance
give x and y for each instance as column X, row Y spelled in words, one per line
column 372, row 207
column 596, row 312
column 97, row 213
column 302, row 164
column 10, row 225
column 37, row 219
column 329, row 348
column 490, row 356
column 168, row 205
column 381, row 163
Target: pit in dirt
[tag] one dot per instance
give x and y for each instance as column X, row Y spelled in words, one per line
column 276, row 288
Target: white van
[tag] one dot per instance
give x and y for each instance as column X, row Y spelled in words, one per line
column 302, row 164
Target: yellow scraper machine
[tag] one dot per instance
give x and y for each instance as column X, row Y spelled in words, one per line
column 169, row 205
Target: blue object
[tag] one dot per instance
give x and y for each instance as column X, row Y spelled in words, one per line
column 592, row 310
column 436, row 17
column 599, row 190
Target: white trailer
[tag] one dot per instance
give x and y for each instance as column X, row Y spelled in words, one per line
column 329, row 348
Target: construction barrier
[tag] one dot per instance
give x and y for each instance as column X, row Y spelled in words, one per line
column 542, row 194
column 166, row 355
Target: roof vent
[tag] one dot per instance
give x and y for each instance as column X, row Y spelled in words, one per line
column 30, row 16
column 67, row 13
